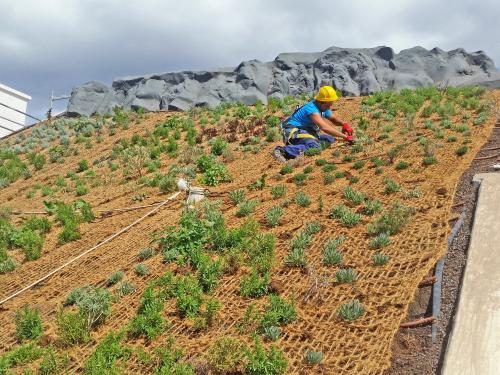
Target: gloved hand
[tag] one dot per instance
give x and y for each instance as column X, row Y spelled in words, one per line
column 349, row 139
column 346, row 129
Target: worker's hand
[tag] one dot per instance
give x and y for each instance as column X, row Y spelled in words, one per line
column 349, row 139
column 346, row 129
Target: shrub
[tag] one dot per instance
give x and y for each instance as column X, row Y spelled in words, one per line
column 271, row 333
column 273, row 216
column 105, row 355
column 452, row 138
column 312, row 151
column 213, row 171
column 208, row 273
column 30, row 241
column 391, row 186
column 28, row 324
column 344, row 215
column 380, row 259
column 286, row 169
column 149, row 321
column 278, row 191
column 81, row 189
column 331, row 255
column 312, row 358
column 83, row 165
column 254, row 285
column 167, row 183
column 371, row 207
column 382, row 240
column 300, row 179
column 278, row 312
column 41, row 224
column 353, row 196
column 226, row 355
column 346, row 275
column 141, row 269
column 320, row 162
column 402, row 165
column 302, row 199
column 218, row 145
column 237, row 196
column 37, row 160
column 296, row 257
column 328, row 179
column 52, row 363
column 93, row 304
column 351, row 311
column 462, row 150
column 124, row 288
column 72, row 327
column 308, row 169
column 261, row 361
column 146, row 254
column 329, row 168
column 6, row 265
column 392, row 220
column 358, row 164
column 246, row 207
column 429, row 160
column 115, row 277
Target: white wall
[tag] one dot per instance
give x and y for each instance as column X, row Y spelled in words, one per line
column 14, row 99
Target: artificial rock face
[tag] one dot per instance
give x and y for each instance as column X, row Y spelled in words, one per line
column 353, row 71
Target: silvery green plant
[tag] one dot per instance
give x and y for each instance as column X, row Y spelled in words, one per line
column 351, row 310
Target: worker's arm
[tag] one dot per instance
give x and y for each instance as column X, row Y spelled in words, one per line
column 327, row 127
column 335, row 120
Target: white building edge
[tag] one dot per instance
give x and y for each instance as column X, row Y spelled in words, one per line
column 11, row 120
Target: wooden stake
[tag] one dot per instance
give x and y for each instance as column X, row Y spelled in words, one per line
column 418, row 322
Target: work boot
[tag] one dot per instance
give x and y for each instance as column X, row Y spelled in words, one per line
column 279, row 155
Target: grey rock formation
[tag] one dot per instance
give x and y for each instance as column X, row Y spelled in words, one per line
column 355, row 72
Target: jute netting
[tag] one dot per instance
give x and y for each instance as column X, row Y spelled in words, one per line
column 359, row 347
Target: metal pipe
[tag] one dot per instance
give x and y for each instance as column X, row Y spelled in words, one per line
column 17, row 110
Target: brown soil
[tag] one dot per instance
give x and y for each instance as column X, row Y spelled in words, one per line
column 361, row 347
column 413, row 350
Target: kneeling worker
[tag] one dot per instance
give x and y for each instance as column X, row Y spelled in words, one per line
column 301, row 129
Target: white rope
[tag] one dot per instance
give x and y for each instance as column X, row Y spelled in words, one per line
column 89, row 250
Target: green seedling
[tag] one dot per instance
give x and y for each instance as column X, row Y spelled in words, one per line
column 302, row 199
column 28, row 324
column 312, row 357
column 346, row 275
column 114, row 278
column 237, row 196
column 344, row 215
column 273, row 216
column 380, row 259
column 278, row 191
column 353, row 196
column 382, row 240
column 351, row 311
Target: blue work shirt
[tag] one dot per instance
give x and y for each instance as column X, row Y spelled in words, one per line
column 301, row 119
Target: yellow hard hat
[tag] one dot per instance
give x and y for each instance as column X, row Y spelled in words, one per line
column 326, row 94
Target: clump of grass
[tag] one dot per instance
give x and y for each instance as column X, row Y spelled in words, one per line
column 354, row 196
column 327, row 168
column 237, row 196
column 331, row 255
column 226, row 355
column 401, row 165
column 344, row 215
column 124, row 288
column 429, row 160
column 392, row 220
column 346, row 275
column 382, row 240
column 312, row 357
column 462, row 150
column 146, row 254
column 380, row 259
column 308, row 169
column 391, row 186
column 328, row 179
column 273, row 216
column 246, row 207
column 300, row 179
column 272, row 333
column 351, row 311
column 286, row 169
column 320, row 162
column 115, row 277
column 371, row 207
column 358, row 164
column 28, row 324
column 278, row 191
column 302, row 199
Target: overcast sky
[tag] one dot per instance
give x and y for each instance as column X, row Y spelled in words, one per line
column 57, row 44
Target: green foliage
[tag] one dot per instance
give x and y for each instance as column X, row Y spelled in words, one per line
column 273, row 216
column 167, row 183
column 30, row 241
column 351, row 311
column 114, row 278
column 300, row 179
column 286, row 169
column 260, row 361
column 344, row 215
column 331, row 255
column 329, row 168
column 146, row 254
column 141, row 269
column 237, row 196
column 429, row 160
column 72, row 327
column 124, row 288
column 149, row 321
column 312, row 151
column 392, row 220
column 380, row 259
column 18, row 356
column 320, row 162
column 354, row 196
column 401, row 165
column 382, row 240
column 218, row 145
column 328, row 179
column 346, row 275
column 278, row 191
column 371, row 207
column 213, row 171
column 209, row 272
column 226, row 355
column 391, row 186
column 358, row 164
column 452, row 138
column 189, row 296
column 462, row 150
column 271, row 333
column 103, row 359
column 308, row 169
column 278, row 312
column 28, row 324
column 260, row 184
column 312, row 357
column 52, row 363
column 37, row 160
column 302, row 199
column 246, row 207
column 254, row 285
column 83, row 165
column 40, row 224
